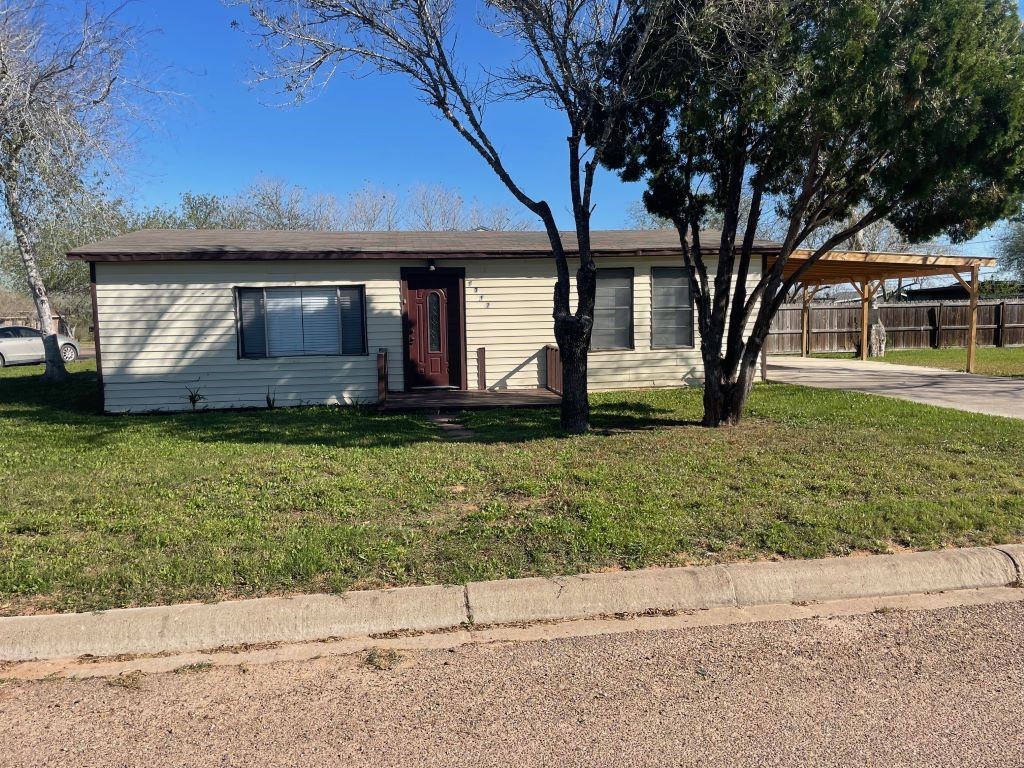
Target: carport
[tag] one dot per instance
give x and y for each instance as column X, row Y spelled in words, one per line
column 866, row 271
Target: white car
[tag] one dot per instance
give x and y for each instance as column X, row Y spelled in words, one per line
column 19, row 344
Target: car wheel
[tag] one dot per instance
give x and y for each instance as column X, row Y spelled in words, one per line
column 69, row 353
column 2, row 361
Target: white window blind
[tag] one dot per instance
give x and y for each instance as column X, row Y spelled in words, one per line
column 315, row 320
column 284, row 321
column 320, row 334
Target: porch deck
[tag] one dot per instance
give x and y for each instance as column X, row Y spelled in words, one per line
column 464, row 400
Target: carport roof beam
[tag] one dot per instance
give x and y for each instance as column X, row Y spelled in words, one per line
column 840, row 267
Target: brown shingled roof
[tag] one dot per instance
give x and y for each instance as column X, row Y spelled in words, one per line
column 174, row 244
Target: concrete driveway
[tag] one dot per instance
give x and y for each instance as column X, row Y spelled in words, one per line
column 996, row 395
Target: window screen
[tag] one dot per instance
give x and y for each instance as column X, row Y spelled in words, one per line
column 613, row 310
column 671, row 308
column 286, row 322
column 353, row 320
column 253, row 325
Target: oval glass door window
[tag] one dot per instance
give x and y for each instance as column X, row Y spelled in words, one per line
column 434, row 322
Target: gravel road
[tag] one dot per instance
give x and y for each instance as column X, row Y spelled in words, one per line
column 900, row 688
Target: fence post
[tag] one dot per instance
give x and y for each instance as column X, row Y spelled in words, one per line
column 938, row 325
column 1001, row 324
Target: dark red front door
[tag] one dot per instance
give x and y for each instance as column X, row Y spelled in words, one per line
column 432, row 329
column 428, row 337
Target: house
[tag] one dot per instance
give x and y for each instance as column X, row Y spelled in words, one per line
column 245, row 317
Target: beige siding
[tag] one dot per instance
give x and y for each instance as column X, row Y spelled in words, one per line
column 165, row 326
column 508, row 312
column 168, row 326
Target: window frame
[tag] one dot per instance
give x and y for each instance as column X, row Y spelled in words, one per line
column 360, row 287
column 623, row 271
column 693, row 330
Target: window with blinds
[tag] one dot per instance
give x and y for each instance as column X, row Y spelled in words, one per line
column 671, row 308
column 613, row 310
column 290, row 322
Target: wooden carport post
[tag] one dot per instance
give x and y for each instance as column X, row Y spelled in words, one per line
column 972, row 313
column 805, row 321
column 866, row 294
column 865, row 308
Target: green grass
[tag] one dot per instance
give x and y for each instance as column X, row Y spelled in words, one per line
column 991, row 361
column 102, row 511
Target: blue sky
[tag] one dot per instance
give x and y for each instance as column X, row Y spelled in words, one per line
column 222, row 133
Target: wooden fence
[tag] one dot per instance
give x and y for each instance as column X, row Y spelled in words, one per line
column 32, row 321
column 908, row 325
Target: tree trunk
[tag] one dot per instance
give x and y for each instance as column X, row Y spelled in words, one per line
column 55, row 370
column 725, row 397
column 573, row 337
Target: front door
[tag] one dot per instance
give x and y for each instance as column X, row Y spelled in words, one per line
column 432, row 330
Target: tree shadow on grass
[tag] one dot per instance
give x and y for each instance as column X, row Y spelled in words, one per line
column 23, row 390
column 606, row 417
column 25, row 397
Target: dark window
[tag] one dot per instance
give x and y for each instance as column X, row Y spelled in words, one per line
column 434, row 322
column 30, row 333
column 314, row 320
column 613, row 310
column 353, row 319
column 671, row 308
column 253, row 325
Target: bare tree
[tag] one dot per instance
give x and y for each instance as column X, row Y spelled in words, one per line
column 497, row 218
column 371, row 209
column 61, row 88
column 438, row 208
column 276, row 204
column 638, row 217
column 434, row 209
column 566, row 49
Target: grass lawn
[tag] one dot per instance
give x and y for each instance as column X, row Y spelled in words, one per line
column 991, row 361
column 102, row 511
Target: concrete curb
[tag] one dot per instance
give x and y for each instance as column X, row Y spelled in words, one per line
column 573, row 597
column 303, row 618
column 195, row 627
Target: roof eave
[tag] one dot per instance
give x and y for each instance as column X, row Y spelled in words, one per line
column 241, row 255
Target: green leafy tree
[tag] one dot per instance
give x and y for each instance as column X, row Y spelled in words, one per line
column 831, row 117
column 1011, row 248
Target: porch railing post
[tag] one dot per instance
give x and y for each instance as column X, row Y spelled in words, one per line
column 553, row 369
column 481, row 368
column 382, row 375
